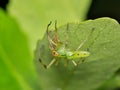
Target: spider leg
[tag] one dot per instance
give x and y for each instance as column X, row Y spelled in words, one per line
column 55, row 38
column 56, row 26
column 52, row 43
column 75, row 64
column 66, row 41
column 85, row 39
column 45, row 66
column 49, row 65
column 66, row 44
column 48, row 28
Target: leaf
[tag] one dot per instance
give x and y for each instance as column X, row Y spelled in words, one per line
column 34, row 14
column 16, row 66
column 103, row 44
column 113, row 83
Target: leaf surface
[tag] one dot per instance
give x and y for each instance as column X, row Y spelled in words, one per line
column 104, row 61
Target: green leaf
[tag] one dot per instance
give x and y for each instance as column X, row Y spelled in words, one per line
column 33, row 15
column 16, row 66
column 113, row 83
column 103, row 44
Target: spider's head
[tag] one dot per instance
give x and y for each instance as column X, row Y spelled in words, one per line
column 55, row 54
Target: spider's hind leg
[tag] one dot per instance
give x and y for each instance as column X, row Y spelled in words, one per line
column 84, row 41
column 45, row 66
column 49, row 65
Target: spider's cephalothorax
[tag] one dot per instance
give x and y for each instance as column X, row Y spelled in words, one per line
column 60, row 50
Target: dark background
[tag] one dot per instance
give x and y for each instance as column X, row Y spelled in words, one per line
column 99, row 8
column 104, row 8
column 3, row 3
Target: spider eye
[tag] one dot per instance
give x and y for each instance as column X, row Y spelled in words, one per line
column 55, row 53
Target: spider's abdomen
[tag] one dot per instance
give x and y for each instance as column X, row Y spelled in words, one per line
column 78, row 54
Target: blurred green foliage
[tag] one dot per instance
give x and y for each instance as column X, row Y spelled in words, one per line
column 16, row 66
column 34, row 15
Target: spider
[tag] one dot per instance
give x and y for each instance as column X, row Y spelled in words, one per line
column 60, row 50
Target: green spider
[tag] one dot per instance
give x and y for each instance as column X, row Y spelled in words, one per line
column 60, row 50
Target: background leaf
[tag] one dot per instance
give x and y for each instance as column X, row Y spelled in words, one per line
column 33, row 15
column 98, row 67
column 16, row 66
